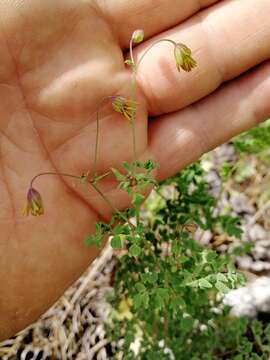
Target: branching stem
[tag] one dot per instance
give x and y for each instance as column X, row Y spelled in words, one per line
column 92, row 183
column 109, row 203
column 53, row 173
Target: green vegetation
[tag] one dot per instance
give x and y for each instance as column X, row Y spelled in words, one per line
column 167, row 296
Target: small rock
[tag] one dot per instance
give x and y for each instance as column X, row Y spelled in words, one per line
column 250, row 299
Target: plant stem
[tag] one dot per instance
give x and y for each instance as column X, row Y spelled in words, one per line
column 90, row 182
column 100, row 177
column 97, row 133
column 109, row 203
column 133, row 120
column 94, row 185
column 96, row 142
column 137, row 212
column 133, row 97
column 134, row 86
column 53, row 173
column 66, row 175
column 151, row 46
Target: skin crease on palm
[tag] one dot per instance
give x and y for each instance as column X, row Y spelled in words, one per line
column 58, row 59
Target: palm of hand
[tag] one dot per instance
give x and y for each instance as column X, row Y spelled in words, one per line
column 48, row 124
column 58, row 60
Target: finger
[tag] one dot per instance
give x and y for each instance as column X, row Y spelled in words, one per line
column 179, row 138
column 153, row 16
column 227, row 40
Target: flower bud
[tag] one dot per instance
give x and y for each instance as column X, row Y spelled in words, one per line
column 137, row 36
column 34, row 203
column 183, row 58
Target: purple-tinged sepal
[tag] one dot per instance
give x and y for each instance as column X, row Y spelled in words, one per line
column 34, row 205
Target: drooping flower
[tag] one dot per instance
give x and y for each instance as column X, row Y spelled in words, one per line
column 34, row 205
column 183, row 58
column 137, row 36
column 124, row 106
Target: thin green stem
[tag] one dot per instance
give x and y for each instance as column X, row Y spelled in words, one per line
column 97, row 133
column 137, row 213
column 92, row 183
column 53, row 173
column 96, row 145
column 131, row 51
column 133, row 121
column 97, row 178
column 134, row 113
column 109, row 203
column 133, row 86
column 100, row 177
column 133, row 97
column 150, row 47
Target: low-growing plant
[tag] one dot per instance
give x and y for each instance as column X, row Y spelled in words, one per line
column 254, row 141
column 167, row 287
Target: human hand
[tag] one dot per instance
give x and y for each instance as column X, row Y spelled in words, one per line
column 58, row 59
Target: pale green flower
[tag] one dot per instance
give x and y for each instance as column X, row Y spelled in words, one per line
column 183, row 58
column 124, row 106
